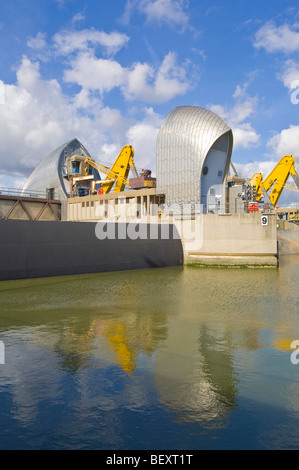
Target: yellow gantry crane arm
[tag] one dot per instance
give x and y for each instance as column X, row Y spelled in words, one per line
column 275, row 181
column 119, row 172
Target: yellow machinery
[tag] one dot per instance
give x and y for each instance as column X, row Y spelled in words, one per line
column 81, row 178
column 276, row 181
column 119, row 172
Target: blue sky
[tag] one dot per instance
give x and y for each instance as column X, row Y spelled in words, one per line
column 108, row 73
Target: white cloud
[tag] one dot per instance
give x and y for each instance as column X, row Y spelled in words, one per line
column 237, row 117
column 285, row 142
column 290, row 74
column 247, row 170
column 71, row 42
column 95, row 74
column 30, row 119
column 169, row 81
column 272, row 38
column 142, row 136
column 78, row 18
column 245, row 104
column 37, row 117
column 171, row 12
column 67, row 42
column 245, row 136
column 139, row 82
column 38, row 42
column 12, row 182
column 283, row 39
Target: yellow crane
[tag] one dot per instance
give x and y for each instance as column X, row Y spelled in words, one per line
column 118, row 174
column 276, row 181
column 80, row 174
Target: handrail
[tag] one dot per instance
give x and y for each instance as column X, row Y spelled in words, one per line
column 23, row 193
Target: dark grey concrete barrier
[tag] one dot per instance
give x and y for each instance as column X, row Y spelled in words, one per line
column 44, row 248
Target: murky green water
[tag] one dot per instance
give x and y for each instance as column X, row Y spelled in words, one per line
column 154, row 359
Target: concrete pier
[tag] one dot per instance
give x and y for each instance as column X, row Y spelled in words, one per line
column 288, row 238
column 230, row 239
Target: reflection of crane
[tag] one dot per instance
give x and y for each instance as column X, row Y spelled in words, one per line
column 275, row 181
column 117, row 336
column 119, row 172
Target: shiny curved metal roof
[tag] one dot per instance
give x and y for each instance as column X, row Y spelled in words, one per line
column 184, row 140
column 49, row 173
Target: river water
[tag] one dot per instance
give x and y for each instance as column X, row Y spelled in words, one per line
column 170, row 358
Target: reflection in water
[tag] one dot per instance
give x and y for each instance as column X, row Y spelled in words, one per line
column 133, row 359
column 195, row 376
column 74, row 347
column 131, row 335
column 118, row 340
column 218, row 369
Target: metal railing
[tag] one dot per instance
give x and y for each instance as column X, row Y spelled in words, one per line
column 27, row 193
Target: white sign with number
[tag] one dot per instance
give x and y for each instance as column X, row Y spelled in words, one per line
column 264, row 220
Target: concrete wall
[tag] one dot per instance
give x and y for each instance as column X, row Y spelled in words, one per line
column 232, row 239
column 41, row 248
column 288, row 238
column 113, row 207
